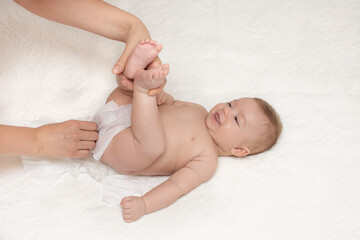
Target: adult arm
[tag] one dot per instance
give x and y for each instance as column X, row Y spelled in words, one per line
column 72, row 139
column 98, row 17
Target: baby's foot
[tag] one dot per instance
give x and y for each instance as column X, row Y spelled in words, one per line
column 149, row 79
column 144, row 53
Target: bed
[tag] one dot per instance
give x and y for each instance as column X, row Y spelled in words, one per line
column 301, row 56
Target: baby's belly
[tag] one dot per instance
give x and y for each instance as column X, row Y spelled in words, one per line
column 178, row 152
column 185, row 132
column 168, row 163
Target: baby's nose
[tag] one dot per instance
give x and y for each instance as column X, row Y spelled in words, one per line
column 226, row 111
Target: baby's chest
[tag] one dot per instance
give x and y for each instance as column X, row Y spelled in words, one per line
column 186, row 134
column 184, row 122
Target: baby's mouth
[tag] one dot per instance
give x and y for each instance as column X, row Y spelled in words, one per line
column 217, row 118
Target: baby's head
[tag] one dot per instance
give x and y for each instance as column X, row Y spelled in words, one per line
column 243, row 126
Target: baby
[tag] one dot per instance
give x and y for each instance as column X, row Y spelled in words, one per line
column 181, row 139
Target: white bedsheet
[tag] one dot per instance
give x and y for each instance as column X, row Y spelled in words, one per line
column 301, row 56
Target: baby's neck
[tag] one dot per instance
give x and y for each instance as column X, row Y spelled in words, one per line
column 220, row 152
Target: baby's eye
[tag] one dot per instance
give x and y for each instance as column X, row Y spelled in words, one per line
column 229, row 104
column 236, row 120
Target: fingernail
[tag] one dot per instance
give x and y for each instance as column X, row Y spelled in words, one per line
column 116, row 70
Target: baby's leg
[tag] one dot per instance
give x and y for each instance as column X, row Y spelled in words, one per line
column 139, row 146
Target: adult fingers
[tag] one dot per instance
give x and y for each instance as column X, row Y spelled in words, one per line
column 124, row 83
column 120, row 64
column 127, row 84
column 81, row 153
column 87, row 126
column 155, row 63
column 88, row 135
column 86, row 145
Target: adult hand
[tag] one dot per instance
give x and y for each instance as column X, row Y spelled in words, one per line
column 135, row 33
column 127, row 85
column 164, row 98
column 72, row 139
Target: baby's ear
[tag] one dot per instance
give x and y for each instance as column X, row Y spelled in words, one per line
column 240, row 151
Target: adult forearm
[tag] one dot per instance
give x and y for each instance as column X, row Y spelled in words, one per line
column 17, row 140
column 72, row 139
column 95, row 16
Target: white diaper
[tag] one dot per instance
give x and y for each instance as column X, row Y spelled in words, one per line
column 111, row 119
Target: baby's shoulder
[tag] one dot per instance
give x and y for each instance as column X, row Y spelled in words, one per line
column 205, row 164
column 195, row 106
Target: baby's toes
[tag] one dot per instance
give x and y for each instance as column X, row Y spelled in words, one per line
column 165, row 68
column 158, row 47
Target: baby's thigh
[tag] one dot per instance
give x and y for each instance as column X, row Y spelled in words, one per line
column 123, row 154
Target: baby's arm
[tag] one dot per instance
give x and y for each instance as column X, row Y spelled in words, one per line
column 197, row 171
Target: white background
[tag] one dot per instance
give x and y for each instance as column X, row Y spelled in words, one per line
column 301, row 56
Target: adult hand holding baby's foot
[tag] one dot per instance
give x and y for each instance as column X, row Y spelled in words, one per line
column 127, row 85
column 133, row 208
column 145, row 55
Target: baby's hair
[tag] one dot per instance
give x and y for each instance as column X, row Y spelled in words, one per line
column 273, row 130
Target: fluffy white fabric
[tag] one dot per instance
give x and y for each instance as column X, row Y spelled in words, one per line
column 301, row 56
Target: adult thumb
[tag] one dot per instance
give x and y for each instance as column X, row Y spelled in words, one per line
column 121, row 63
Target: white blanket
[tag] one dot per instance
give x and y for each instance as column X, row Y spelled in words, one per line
column 301, row 56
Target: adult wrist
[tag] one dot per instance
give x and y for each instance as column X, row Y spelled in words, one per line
column 137, row 30
column 36, row 140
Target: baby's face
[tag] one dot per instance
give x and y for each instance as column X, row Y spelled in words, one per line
column 233, row 124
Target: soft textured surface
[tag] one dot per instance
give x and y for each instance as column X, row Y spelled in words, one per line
column 301, row 56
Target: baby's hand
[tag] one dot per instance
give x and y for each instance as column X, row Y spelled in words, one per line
column 133, row 208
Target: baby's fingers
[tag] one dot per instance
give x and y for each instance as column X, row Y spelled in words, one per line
column 126, row 203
